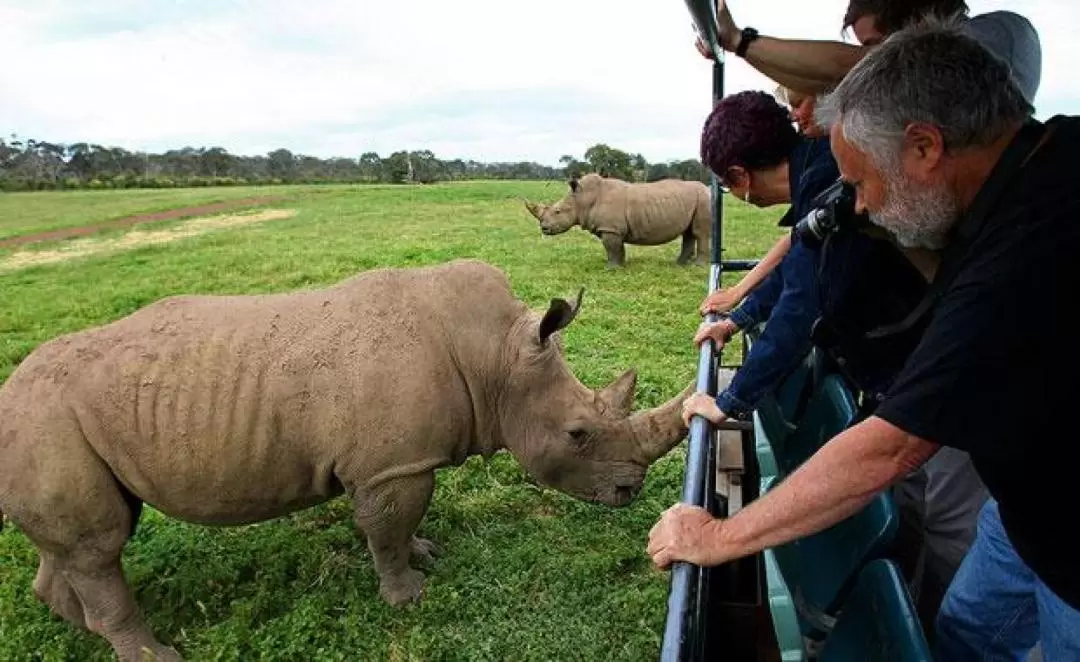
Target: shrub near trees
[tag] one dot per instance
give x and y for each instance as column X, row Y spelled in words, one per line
column 28, row 165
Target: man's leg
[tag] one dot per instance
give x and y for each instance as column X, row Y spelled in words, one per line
column 1059, row 626
column 989, row 611
column 954, row 495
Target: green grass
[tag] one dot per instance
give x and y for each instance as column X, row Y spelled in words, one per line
column 524, row 575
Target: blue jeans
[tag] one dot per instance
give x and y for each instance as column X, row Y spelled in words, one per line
column 997, row 609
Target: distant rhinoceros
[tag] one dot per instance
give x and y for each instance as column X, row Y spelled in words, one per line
column 644, row 214
column 225, row 410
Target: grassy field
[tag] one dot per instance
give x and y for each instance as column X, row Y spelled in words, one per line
column 525, row 574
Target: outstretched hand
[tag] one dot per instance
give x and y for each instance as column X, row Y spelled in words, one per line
column 726, row 29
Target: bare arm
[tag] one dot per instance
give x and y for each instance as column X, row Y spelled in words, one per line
column 723, row 300
column 835, row 483
column 804, row 65
column 754, row 277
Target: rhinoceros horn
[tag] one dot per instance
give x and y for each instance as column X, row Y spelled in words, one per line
column 618, row 396
column 534, row 208
column 660, row 429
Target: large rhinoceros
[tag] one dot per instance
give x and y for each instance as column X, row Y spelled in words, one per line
column 645, row 214
column 225, row 410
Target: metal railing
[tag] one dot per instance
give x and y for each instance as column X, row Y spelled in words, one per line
column 687, row 610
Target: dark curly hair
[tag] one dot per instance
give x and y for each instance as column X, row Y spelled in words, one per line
column 892, row 15
column 748, row 129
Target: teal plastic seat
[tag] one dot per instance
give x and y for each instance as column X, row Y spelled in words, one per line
column 785, row 616
column 820, row 569
column 830, row 410
column 878, row 621
column 774, row 419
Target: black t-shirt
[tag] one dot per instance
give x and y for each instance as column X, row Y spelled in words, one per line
column 997, row 372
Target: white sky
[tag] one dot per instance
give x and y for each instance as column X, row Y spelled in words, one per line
column 485, row 79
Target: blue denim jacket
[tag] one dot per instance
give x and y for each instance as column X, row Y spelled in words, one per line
column 787, row 299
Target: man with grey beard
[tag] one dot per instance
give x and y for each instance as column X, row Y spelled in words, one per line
column 940, row 501
column 938, row 142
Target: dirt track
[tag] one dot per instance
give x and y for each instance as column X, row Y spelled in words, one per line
column 168, row 215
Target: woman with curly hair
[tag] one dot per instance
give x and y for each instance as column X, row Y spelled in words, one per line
column 750, row 144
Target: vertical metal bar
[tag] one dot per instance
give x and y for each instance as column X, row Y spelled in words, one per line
column 683, row 635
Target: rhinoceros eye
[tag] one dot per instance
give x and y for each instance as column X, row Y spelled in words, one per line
column 579, row 436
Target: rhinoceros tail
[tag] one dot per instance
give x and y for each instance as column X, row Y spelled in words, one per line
column 1, row 521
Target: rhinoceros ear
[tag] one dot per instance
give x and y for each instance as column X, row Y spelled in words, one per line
column 558, row 316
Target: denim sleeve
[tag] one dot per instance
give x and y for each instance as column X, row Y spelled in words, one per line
column 785, row 340
column 757, row 306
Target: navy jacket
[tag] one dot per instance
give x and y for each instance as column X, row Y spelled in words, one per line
column 788, row 298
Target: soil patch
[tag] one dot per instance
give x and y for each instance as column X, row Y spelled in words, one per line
column 167, row 215
column 137, row 238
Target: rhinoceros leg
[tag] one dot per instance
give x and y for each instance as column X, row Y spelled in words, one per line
column 389, row 516
column 423, row 550
column 616, row 250
column 51, row 588
column 77, row 515
column 111, row 610
column 689, row 241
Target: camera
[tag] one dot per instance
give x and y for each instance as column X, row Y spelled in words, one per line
column 832, row 210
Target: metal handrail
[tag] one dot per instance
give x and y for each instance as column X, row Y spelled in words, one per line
column 683, row 633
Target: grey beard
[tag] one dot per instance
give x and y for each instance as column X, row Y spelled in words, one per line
column 917, row 216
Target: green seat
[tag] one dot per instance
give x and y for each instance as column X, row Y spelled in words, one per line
column 784, row 616
column 878, row 621
column 774, row 418
column 763, row 448
column 820, row 569
column 829, row 412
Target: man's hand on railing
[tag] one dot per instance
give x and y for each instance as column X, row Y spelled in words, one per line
column 726, row 29
column 703, row 404
column 687, row 533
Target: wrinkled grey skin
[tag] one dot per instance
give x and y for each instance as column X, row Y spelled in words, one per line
column 226, row 410
column 644, row 214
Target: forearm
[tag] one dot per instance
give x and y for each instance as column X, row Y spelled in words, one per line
column 763, row 268
column 806, row 66
column 835, row 483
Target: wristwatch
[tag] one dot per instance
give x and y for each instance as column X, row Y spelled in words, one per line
column 747, row 35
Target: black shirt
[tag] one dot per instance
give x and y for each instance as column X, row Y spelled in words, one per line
column 997, row 372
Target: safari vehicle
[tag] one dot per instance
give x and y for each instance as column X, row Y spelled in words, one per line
column 832, row 596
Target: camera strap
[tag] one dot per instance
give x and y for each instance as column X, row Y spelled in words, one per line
column 1012, row 160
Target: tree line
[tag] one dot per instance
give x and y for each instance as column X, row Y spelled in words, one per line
column 30, row 165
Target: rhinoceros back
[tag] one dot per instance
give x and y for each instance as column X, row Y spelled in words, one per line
column 645, row 213
column 263, row 401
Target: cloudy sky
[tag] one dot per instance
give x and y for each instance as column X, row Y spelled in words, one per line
column 484, row 79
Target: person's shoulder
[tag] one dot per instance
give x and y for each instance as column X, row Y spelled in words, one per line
column 1067, row 125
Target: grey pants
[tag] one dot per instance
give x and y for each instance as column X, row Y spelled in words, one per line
column 939, row 505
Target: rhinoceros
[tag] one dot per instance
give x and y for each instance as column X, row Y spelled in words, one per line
column 226, row 410
column 644, row 214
